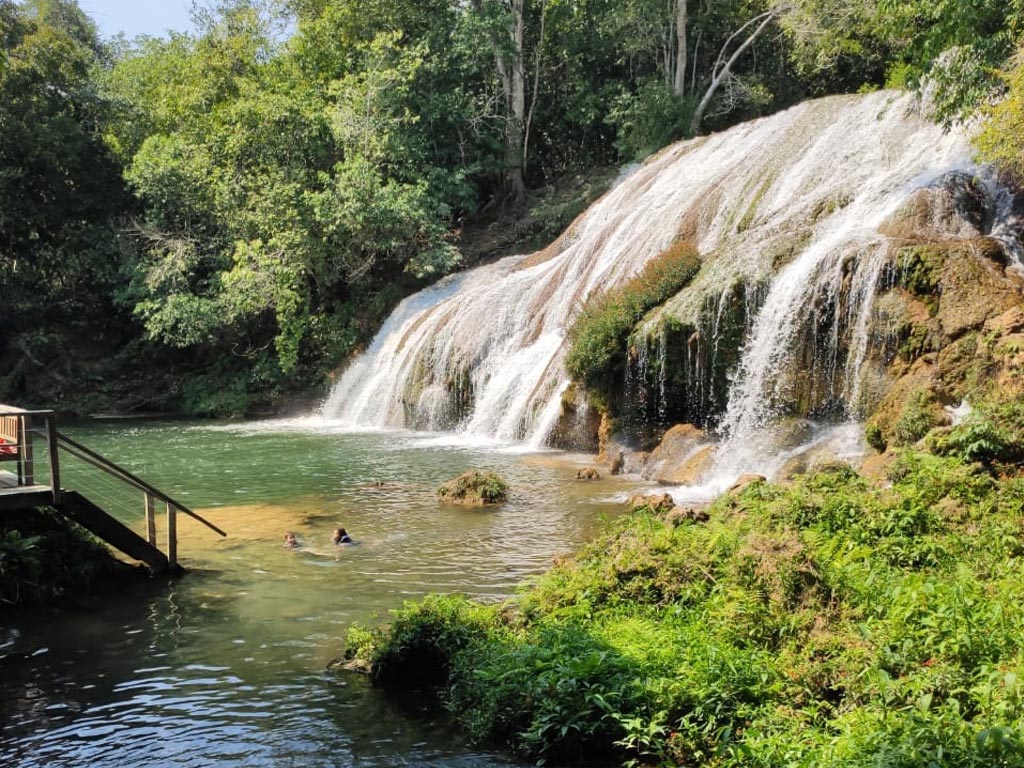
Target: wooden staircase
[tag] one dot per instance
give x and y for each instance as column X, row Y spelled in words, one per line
column 22, row 490
column 78, row 508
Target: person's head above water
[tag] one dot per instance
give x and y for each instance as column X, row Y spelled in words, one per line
column 290, row 540
column 340, row 536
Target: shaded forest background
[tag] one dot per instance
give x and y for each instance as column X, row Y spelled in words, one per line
column 211, row 223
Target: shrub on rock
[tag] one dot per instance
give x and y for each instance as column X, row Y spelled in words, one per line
column 474, row 488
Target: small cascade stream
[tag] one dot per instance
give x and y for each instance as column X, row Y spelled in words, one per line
column 784, row 213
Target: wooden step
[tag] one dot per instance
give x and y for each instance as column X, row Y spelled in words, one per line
column 77, row 507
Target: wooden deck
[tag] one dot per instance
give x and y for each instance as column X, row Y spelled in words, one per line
column 14, row 497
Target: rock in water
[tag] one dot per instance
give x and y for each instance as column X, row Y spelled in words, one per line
column 474, row 489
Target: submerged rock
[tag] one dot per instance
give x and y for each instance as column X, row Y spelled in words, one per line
column 474, row 488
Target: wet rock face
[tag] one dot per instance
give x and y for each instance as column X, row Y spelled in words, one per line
column 675, row 448
column 578, row 423
column 947, row 326
column 954, row 207
column 678, row 371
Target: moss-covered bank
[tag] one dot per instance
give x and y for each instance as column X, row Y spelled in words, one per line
column 45, row 558
column 833, row 622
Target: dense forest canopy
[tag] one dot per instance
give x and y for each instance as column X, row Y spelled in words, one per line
column 212, row 221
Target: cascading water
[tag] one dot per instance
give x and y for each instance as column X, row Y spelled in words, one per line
column 787, row 207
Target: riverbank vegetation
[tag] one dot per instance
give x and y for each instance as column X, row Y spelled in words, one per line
column 45, row 558
column 210, row 222
column 830, row 622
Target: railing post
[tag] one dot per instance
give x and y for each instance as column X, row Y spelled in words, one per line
column 150, row 517
column 51, row 444
column 28, row 473
column 172, row 537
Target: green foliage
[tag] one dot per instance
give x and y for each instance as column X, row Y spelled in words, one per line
column 953, row 47
column 826, row 623
column 992, row 433
column 916, row 419
column 1001, row 140
column 647, row 119
column 474, row 487
column 920, row 273
column 597, row 338
column 423, row 640
column 44, row 557
column 874, row 437
column 60, row 189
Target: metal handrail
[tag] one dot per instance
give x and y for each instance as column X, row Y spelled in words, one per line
column 89, row 456
column 10, row 410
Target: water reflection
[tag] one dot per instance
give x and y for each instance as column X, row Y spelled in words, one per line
column 226, row 667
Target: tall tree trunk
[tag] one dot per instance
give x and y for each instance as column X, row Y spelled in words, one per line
column 538, row 52
column 681, row 24
column 517, row 118
column 723, row 66
column 509, row 64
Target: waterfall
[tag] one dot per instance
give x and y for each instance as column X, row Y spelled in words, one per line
column 787, row 206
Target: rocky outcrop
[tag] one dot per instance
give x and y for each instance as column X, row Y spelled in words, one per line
column 679, row 515
column 951, row 322
column 745, row 481
column 954, row 207
column 659, row 503
column 672, row 461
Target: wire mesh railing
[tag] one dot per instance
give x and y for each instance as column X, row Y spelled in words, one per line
column 118, row 478
column 47, row 460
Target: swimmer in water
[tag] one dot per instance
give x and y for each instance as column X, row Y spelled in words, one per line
column 340, row 536
column 290, row 541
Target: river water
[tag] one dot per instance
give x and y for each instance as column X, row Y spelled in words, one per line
column 227, row 666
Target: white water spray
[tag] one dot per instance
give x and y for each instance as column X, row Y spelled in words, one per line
column 790, row 202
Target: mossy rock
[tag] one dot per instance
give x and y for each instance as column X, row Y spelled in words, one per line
column 474, row 489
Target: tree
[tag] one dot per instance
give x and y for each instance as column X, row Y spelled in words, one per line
column 1001, row 140
column 954, row 47
column 679, row 81
column 725, row 61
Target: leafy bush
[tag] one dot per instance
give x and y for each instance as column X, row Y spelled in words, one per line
column 874, row 437
column 916, row 419
column 422, row 641
column 993, row 432
column 597, row 338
